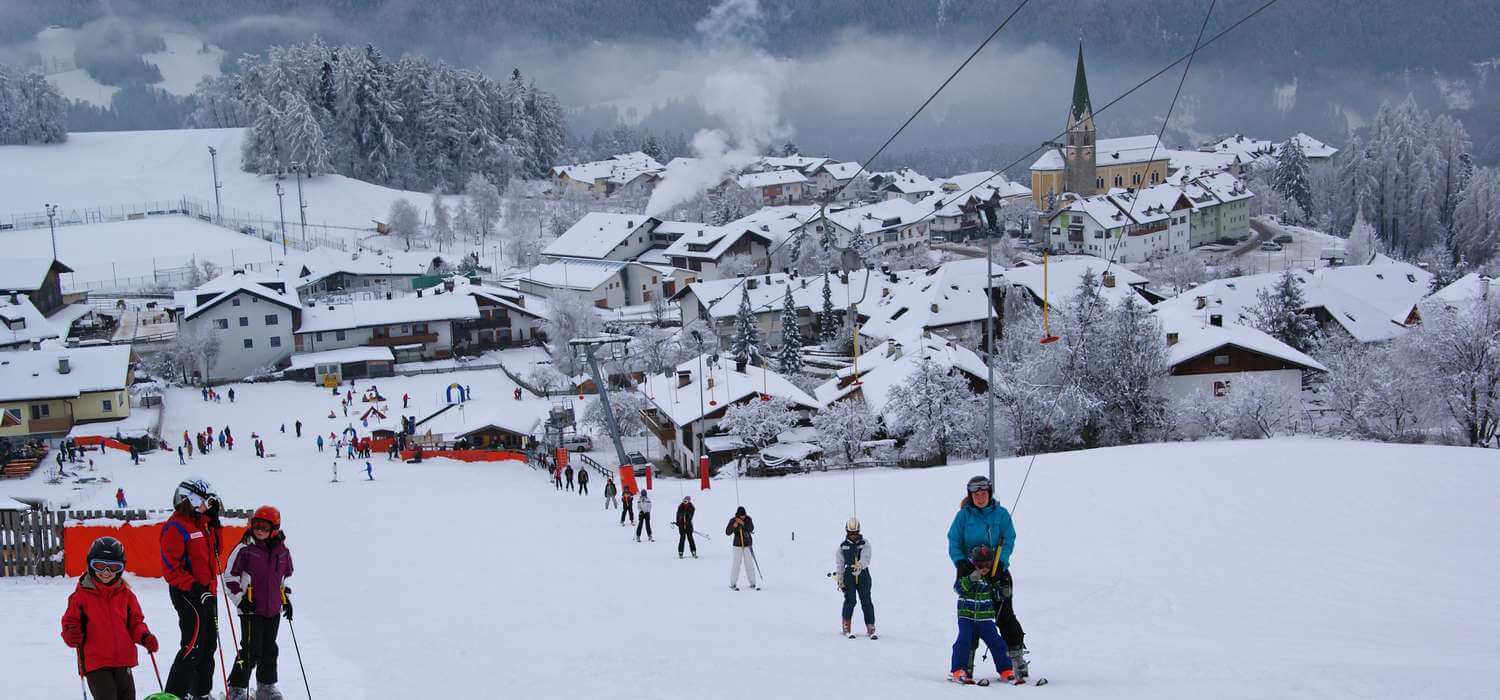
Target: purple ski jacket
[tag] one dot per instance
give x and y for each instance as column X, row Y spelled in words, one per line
column 260, row 569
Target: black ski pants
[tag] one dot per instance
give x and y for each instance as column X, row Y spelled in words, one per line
column 257, row 651
column 644, row 521
column 858, row 586
column 570, row 482
column 111, row 684
column 583, row 487
column 685, row 536
column 192, row 670
column 628, row 510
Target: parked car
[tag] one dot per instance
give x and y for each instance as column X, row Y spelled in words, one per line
column 577, row 442
column 1270, row 245
column 1284, row 238
column 639, row 462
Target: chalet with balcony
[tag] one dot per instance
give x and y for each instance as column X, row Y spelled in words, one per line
column 418, row 327
column 507, row 317
column 44, row 393
column 253, row 318
column 37, row 278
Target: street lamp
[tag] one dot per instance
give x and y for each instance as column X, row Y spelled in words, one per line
column 52, row 224
column 213, row 157
column 282, row 209
column 301, row 203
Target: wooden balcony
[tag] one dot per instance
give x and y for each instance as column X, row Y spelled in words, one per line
column 413, row 339
column 50, row 425
column 658, row 424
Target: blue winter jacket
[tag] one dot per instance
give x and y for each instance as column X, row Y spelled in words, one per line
column 973, row 526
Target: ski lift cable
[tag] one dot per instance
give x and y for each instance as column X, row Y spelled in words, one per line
column 1029, row 154
column 1089, row 311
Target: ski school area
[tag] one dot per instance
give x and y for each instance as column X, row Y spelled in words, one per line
column 1286, row 568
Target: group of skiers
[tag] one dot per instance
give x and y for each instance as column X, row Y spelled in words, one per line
column 104, row 621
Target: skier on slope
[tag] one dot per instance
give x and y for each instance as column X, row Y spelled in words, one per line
column 258, row 570
column 568, row 473
column 189, row 551
column 627, row 505
column 583, row 482
column 684, row 522
column 981, row 521
column 851, row 561
column 104, row 622
column 645, row 520
column 742, row 528
column 609, row 493
column 976, row 617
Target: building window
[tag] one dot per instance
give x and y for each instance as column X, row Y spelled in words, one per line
column 109, row 406
column 275, row 341
column 244, row 321
column 40, row 411
column 271, row 319
column 318, row 336
column 221, row 324
column 234, row 302
column 249, row 343
column 338, row 335
column 1221, row 360
column 1098, row 183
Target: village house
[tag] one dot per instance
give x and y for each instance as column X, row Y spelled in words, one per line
column 704, row 250
column 685, row 407
column 22, row 325
column 888, row 226
column 1123, row 226
column 1221, row 206
column 1206, row 356
column 907, row 184
column 605, row 236
column 831, row 177
column 717, row 302
column 772, row 187
column 1060, row 279
column 38, row 278
column 419, row 327
column 631, row 174
column 956, row 208
column 888, row 364
column 595, row 282
column 332, row 367
column 949, row 300
column 44, row 393
column 324, row 272
column 507, row 316
column 252, row 316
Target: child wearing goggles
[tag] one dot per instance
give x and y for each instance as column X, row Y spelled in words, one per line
column 104, row 622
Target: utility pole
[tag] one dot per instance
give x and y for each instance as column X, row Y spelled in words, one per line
column 702, row 410
column 52, row 224
column 282, row 209
column 213, row 157
column 301, row 203
column 989, row 346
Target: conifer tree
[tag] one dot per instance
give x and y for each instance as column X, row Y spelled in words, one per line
column 745, row 345
column 828, row 318
column 790, row 357
column 1278, row 312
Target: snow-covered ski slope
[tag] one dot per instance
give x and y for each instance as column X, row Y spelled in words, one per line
column 124, row 167
column 1282, row 568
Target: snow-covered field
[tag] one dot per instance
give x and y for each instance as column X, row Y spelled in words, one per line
column 185, row 61
column 102, row 169
column 1282, row 568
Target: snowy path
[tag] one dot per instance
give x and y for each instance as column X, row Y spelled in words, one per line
column 1302, row 568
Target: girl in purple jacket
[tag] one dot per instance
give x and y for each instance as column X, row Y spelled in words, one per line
column 258, row 570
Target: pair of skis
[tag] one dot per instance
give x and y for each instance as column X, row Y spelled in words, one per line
column 986, row 681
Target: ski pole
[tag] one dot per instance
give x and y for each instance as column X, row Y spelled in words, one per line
column 756, row 561
column 82, row 687
column 157, row 669
column 305, row 686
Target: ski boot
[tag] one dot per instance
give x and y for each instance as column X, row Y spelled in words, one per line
column 734, row 587
column 695, row 554
column 1019, row 665
column 961, row 676
column 238, row 693
column 847, row 633
column 870, row 632
column 267, row 692
column 679, row 555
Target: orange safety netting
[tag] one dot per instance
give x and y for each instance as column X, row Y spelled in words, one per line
column 98, row 440
column 467, row 455
column 142, row 545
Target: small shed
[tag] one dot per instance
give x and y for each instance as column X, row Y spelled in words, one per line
column 330, row 367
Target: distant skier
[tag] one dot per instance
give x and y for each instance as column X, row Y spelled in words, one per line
column 645, row 519
column 609, row 492
column 684, row 522
column 104, row 622
column 231, row 394
column 320, row 443
column 405, row 400
column 369, row 472
column 583, row 482
column 742, row 528
column 135, row 454
column 256, row 583
column 627, row 505
column 568, row 472
column 298, row 425
column 851, row 562
column 120, row 498
column 981, row 521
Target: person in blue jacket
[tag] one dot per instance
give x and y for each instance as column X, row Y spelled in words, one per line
column 982, row 521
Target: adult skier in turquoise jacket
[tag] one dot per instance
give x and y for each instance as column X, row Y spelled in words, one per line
column 982, row 521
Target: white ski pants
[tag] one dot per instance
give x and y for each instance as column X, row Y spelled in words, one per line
column 741, row 556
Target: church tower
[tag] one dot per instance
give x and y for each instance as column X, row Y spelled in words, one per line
column 1078, row 155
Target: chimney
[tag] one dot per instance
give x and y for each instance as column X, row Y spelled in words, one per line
column 684, row 378
column 630, row 223
column 64, row 365
column 895, row 350
column 1171, row 339
column 1216, row 320
column 1202, row 302
column 1109, row 279
column 739, row 366
column 752, row 283
column 14, row 299
column 387, row 296
column 934, row 308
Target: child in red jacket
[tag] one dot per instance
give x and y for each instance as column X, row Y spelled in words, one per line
column 104, row 623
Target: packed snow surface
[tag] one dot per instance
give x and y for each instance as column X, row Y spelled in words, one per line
column 1280, row 568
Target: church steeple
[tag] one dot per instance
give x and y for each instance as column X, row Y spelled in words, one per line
column 1081, row 106
column 1079, row 166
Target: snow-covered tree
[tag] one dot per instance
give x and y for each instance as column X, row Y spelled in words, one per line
column 789, row 358
column 484, row 198
column 571, row 317
column 1363, row 245
column 31, row 109
column 829, row 320
column 1253, row 407
column 1181, row 271
column 302, row 135
column 1460, row 353
column 757, row 422
column 627, row 405
column 463, row 220
column 264, row 148
column 1373, row 390
column 404, row 221
column 745, row 345
column 843, row 427
column 442, row 229
column 1278, row 312
column 1290, row 177
column 937, row 413
column 740, row 265
column 1132, row 387
column 1476, row 218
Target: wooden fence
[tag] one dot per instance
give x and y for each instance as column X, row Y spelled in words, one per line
column 31, row 541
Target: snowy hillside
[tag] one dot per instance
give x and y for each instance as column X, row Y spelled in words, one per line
column 185, row 61
column 1287, row 568
column 124, row 167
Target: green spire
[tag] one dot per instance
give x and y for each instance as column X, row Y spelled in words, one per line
column 1081, row 104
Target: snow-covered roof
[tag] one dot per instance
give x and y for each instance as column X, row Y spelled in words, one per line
column 21, row 322
column 385, row 312
column 33, row 374
column 1197, row 337
column 807, row 164
column 1371, row 302
column 681, row 403
column 946, row 295
column 1120, row 151
column 776, row 223
column 839, row 171
column 583, row 274
column 908, row 181
column 767, row 292
column 886, row 214
column 620, row 168
column 458, row 420
column 1466, row 289
column 26, row 274
column 309, row 267
column 889, row 364
column 712, row 242
column 269, row 287
column 512, row 299
column 1311, row 147
column 770, row 178
column 1064, row 274
column 597, row 233
column 1248, row 149
column 362, row 353
column 1201, row 161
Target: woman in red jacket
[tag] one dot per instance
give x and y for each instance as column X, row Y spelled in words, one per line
column 104, row 623
column 189, row 554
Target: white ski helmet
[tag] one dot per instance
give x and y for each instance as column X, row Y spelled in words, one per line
column 194, row 492
column 852, row 525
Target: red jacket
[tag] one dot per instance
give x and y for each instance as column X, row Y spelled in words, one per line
column 110, row 621
column 188, row 549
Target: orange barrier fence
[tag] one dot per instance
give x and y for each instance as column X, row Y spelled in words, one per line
column 142, row 545
column 106, row 442
column 467, row 455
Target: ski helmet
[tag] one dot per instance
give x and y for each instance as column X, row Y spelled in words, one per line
column 107, row 549
column 194, row 492
column 981, row 556
column 981, row 483
column 270, row 515
column 852, row 525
